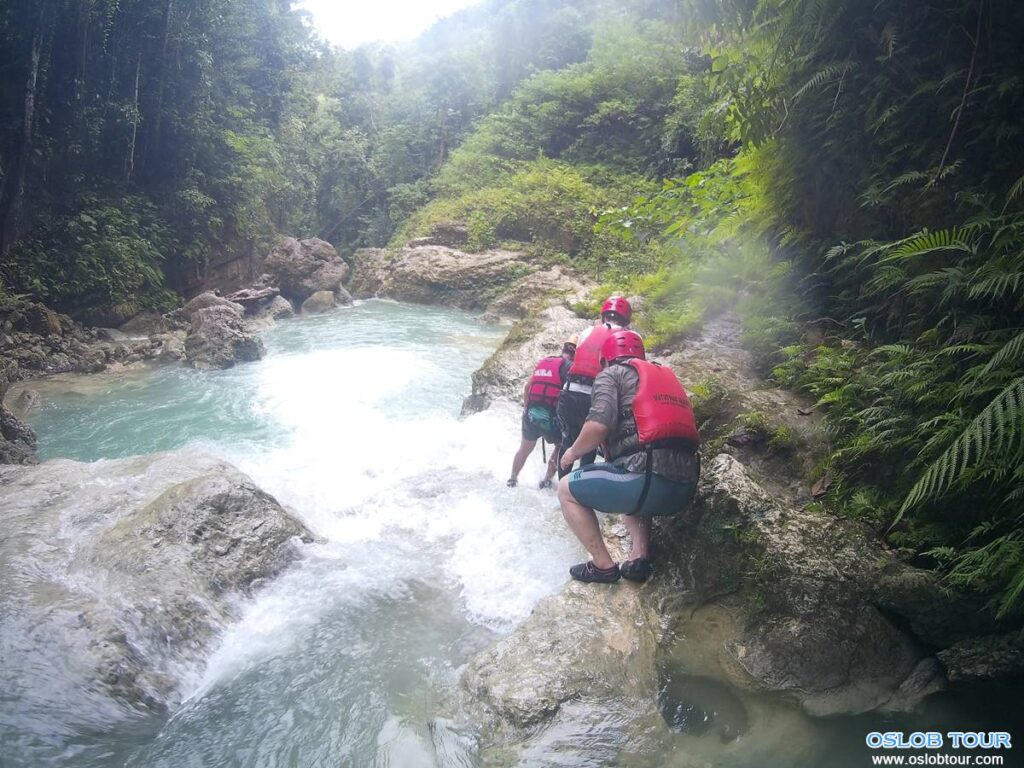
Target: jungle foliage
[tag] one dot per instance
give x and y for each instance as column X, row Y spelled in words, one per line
column 139, row 138
column 878, row 161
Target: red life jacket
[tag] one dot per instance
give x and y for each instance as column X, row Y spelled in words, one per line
column 546, row 382
column 662, row 409
column 587, row 362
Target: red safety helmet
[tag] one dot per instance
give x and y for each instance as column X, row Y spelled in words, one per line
column 619, row 305
column 622, row 343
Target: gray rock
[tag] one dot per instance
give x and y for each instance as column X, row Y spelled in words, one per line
column 585, row 642
column 254, row 297
column 302, row 267
column 504, row 372
column 17, row 440
column 91, row 360
column 147, row 323
column 119, row 574
column 804, row 583
column 536, row 291
column 171, row 345
column 279, row 308
column 437, row 275
column 998, row 657
column 205, row 301
column 219, row 339
column 321, row 301
column 26, row 402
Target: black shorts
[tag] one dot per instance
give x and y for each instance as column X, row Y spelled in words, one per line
column 534, row 431
column 573, row 408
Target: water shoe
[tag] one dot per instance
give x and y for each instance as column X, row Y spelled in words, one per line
column 589, row 572
column 636, row 570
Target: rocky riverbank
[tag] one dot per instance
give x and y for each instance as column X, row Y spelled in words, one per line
column 210, row 331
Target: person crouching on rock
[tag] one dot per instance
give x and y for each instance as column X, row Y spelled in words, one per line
column 574, row 401
column 540, row 398
column 643, row 416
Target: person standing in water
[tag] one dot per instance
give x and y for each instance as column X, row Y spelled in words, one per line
column 574, row 400
column 643, row 416
column 539, row 421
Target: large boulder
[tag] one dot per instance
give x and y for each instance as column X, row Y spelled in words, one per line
column 205, row 301
column 219, row 338
column 147, row 323
column 17, row 440
column 994, row 657
column 118, row 575
column 434, row 274
column 300, row 268
column 803, row 586
column 503, row 374
column 602, row 660
column 321, row 301
column 277, row 308
column 536, row 291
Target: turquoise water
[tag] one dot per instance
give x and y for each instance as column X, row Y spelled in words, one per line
column 407, row 362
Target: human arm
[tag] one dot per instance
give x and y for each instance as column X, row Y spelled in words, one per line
column 592, row 435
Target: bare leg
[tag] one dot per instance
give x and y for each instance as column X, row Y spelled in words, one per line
column 583, row 523
column 525, row 449
column 639, row 533
column 553, row 462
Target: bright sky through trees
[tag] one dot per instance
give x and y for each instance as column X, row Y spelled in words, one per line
column 349, row 24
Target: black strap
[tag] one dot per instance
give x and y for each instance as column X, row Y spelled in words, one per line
column 648, row 471
column 670, row 443
column 543, row 450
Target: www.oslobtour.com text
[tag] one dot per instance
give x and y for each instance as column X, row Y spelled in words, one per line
column 931, row 747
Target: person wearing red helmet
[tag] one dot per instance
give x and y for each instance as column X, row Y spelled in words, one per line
column 539, row 421
column 642, row 415
column 574, row 401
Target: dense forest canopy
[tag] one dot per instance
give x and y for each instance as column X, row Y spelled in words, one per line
column 848, row 176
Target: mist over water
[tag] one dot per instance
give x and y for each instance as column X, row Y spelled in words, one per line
column 351, row 421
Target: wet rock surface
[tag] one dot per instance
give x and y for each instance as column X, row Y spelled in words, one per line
column 321, row 301
column 435, row 274
column 996, row 657
column 505, row 371
column 219, row 338
column 803, row 585
column 117, row 573
column 300, row 268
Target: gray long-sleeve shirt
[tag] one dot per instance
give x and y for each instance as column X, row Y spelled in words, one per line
column 612, row 406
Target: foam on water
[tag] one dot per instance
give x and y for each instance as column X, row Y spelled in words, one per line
column 351, row 421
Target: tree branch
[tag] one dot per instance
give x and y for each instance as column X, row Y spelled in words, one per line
column 963, row 99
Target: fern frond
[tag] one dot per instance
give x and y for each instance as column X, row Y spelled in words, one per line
column 1009, row 354
column 1015, row 191
column 929, row 242
column 997, row 427
column 830, row 72
column 997, row 285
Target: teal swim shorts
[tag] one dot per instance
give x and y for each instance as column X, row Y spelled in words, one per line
column 614, row 490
